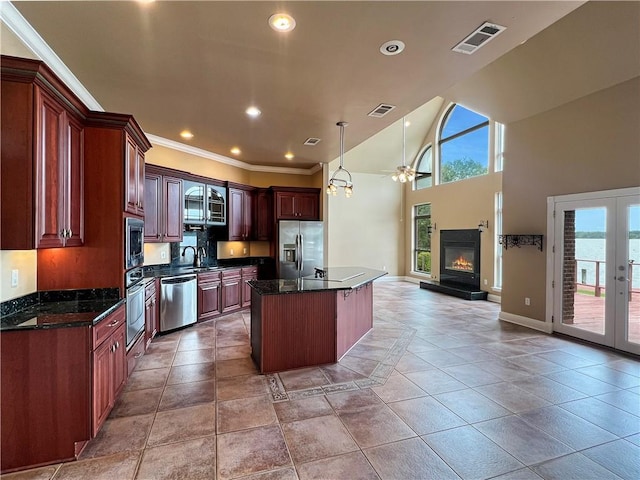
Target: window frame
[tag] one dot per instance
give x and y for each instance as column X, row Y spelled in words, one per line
column 498, row 258
column 415, row 250
column 425, row 149
column 441, row 141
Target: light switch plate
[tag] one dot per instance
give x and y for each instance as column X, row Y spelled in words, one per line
column 14, row 278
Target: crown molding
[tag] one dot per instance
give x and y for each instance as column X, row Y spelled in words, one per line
column 14, row 20
column 199, row 152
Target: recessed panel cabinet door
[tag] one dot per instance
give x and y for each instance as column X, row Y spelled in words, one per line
column 74, row 182
column 102, row 385
column 172, row 209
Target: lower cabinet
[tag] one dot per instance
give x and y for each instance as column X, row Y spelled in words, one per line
column 151, row 312
column 248, row 273
column 209, row 304
column 231, row 290
column 109, row 360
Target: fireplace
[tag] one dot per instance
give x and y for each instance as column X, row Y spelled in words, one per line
column 460, row 258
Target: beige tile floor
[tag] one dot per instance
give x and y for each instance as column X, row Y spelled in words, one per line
column 438, row 389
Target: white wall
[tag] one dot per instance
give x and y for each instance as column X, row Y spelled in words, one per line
column 26, row 263
column 366, row 230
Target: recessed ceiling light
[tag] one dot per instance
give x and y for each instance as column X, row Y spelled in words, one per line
column 392, row 47
column 236, row 151
column 253, row 112
column 186, row 134
column 282, row 22
column 289, row 156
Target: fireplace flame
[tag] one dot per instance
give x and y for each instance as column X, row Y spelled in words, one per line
column 462, row 263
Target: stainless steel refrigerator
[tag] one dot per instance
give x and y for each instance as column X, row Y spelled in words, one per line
column 300, row 248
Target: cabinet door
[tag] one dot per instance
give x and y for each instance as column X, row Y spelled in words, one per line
column 140, row 181
column 208, row 300
column 74, row 184
column 246, row 289
column 150, row 317
column 153, row 206
column 102, row 385
column 50, row 228
column 231, row 293
column 285, row 206
column 236, row 215
column 262, row 216
column 119, row 361
column 171, row 209
column 247, row 219
column 306, row 206
column 131, row 177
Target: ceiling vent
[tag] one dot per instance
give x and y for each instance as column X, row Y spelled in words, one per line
column 311, row 141
column 381, row 110
column 479, row 37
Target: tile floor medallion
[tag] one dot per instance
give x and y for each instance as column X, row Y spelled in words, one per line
column 438, row 389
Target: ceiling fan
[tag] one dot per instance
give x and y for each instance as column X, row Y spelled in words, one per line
column 404, row 173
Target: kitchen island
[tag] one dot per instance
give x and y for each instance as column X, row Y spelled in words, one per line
column 312, row 320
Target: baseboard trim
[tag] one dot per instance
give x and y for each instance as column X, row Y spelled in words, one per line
column 494, row 298
column 526, row 322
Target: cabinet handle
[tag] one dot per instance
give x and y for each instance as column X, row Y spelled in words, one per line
column 114, row 323
column 113, row 348
column 137, row 355
column 117, row 345
column 70, row 233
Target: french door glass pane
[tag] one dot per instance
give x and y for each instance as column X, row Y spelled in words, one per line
column 583, row 278
column 633, row 248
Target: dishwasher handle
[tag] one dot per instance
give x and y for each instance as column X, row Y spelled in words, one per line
column 176, row 280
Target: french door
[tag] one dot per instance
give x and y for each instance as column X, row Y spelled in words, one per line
column 596, row 267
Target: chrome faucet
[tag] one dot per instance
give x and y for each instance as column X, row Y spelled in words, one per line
column 196, row 257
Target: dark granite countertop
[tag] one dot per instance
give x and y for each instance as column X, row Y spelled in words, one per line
column 170, row 271
column 59, row 309
column 336, row 278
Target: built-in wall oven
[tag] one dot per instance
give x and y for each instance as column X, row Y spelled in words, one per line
column 135, row 304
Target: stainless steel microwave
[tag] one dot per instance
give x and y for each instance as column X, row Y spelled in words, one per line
column 133, row 243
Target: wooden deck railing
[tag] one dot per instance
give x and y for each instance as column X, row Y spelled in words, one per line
column 581, row 277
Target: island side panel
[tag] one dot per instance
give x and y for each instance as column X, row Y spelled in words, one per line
column 297, row 330
column 354, row 316
column 256, row 327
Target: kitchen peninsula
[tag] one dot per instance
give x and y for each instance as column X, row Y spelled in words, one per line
column 312, row 320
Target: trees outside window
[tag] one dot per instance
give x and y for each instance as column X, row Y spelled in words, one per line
column 424, row 167
column 464, row 145
column 422, row 239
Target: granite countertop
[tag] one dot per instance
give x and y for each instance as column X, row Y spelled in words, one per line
column 335, row 278
column 171, row 271
column 59, row 309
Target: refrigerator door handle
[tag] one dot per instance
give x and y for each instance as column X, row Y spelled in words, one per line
column 297, row 252
column 301, row 256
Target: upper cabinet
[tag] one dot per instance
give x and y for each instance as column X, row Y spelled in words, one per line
column 262, row 214
column 163, row 207
column 292, row 203
column 42, row 151
column 240, row 208
column 204, row 204
column 134, row 178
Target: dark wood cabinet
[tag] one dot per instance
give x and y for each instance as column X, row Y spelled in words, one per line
column 151, row 312
column 162, row 208
column 231, row 290
column 240, row 217
column 293, row 203
column 109, row 360
column 42, row 160
column 209, row 299
column 134, row 178
column 262, row 215
column 248, row 273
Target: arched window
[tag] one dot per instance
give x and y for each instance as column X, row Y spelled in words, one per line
column 424, row 167
column 464, row 145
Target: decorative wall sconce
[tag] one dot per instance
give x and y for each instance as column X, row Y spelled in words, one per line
column 483, row 224
column 347, row 184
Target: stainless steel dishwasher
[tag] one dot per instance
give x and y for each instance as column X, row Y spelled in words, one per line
column 178, row 302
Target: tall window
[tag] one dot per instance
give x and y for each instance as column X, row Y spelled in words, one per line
column 424, row 167
column 422, row 240
column 497, row 271
column 464, row 145
column 499, row 156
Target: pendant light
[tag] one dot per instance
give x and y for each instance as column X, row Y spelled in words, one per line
column 332, row 188
column 404, row 173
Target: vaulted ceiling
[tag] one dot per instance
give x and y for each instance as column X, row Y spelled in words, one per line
column 179, row 65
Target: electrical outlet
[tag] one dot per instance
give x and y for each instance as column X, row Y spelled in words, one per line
column 163, row 254
column 231, row 252
column 244, row 251
column 527, row 301
column 486, row 282
column 14, row 278
column 384, row 268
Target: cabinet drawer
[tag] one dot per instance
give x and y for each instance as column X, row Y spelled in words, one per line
column 226, row 274
column 208, row 277
column 108, row 325
column 150, row 289
column 250, row 271
column 134, row 354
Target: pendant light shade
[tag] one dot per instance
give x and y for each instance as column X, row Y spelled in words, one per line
column 404, row 173
column 336, row 181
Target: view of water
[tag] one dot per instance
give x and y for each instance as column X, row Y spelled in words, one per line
column 593, row 249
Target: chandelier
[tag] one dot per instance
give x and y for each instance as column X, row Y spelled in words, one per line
column 335, row 181
column 403, row 172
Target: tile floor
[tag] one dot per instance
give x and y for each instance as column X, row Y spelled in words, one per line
column 438, row 389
